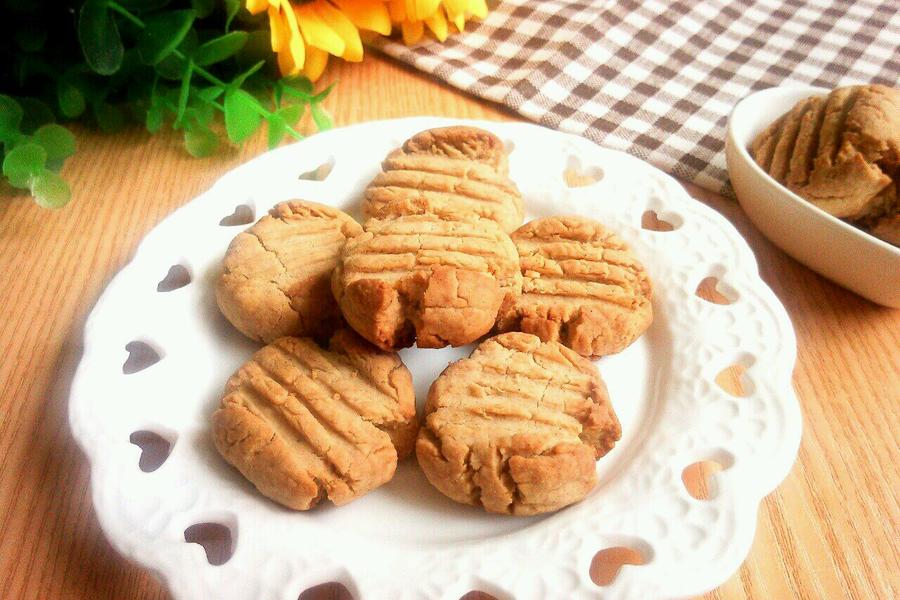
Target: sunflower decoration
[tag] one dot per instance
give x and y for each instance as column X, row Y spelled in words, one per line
column 305, row 32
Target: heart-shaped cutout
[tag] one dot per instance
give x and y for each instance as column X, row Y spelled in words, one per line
column 242, row 215
column 606, row 564
column 698, row 478
column 320, row 173
column 327, row 591
column 710, row 290
column 140, row 356
column 155, row 449
column 651, row 222
column 734, row 380
column 176, row 278
column 577, row 175
column 477, row 595
column 216, row 539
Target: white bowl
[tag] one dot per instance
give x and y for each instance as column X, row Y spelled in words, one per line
column 846, row 255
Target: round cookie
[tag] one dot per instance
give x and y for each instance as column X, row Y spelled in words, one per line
column 276, row 278
column 427, row 279
column 303, row 423
column 581, row 287
column 517, row 427
column 450, row 171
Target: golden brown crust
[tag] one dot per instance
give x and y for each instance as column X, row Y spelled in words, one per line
column 427, row 279
column 303, row 423
column 452, row 171
column 517, row 427
column 276, row 277
column 836, row 151
column 581, row 286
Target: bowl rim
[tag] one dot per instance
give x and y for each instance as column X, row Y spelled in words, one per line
column 740, row 147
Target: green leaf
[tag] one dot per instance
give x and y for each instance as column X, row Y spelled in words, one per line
column 220, row 48
column 323, row 94
column 10, row 116
column 49, row 190
column 109, row 117
column 70, row 99
column 320, row 116
column 172, row 67
column 184, row 93
column 24, row 163
column 299, row 83
column 200, row 141
column 99, row 37
column 291, row 114
column 203, row 8
column 240, row 79
column 154, row 119
column 209, row 94
column 276, row 130
column 57, row 141
column 231, row 10
column 242, row 114
column 162, row 34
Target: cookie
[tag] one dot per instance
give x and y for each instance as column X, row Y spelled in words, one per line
column 277, row 273
column 450, row 171
column 517, row 427
column 581, row 286
column 303, row 423
column 837, row 151
column 436, row 281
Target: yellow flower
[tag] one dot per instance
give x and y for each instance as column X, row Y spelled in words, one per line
column 305, row 32
column 412, row 16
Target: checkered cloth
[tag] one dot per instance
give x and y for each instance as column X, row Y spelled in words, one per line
column 658, row 79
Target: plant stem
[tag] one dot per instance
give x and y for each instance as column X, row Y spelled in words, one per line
column 112, row 4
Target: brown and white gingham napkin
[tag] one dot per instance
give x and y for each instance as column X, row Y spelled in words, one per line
column 658, row 79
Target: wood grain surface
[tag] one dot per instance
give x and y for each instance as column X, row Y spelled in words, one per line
column 831, row 530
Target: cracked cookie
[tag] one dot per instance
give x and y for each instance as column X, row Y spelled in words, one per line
column 436, row 281
column 276, row 278
column 449, row 171
column 837, row 151
column 517, row 427
column 581, row 286
column 303, row 423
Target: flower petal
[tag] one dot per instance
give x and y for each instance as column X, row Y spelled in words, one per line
column 437, row 23
column 257, row 6
column 372, row 16
column 341, row 25
column 397, row 10
column 316, row 61
column 316, row 32
column 412, row 31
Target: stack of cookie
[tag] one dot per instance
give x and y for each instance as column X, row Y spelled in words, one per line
column 442, row 260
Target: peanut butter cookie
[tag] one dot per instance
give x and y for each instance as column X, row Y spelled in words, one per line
column 581, row 286
column 449, row 172
column 437, row 281
column 303, row 423
column 277, row 274
column 837, row 151
column 517, row 427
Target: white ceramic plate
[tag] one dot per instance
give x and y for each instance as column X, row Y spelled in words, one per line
column 846, row 255
column 405, row 540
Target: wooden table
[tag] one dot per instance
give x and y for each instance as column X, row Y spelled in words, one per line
column 830, row 531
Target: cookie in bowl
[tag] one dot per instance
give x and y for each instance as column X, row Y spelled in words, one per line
column 304, row 423
column 840, row 152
